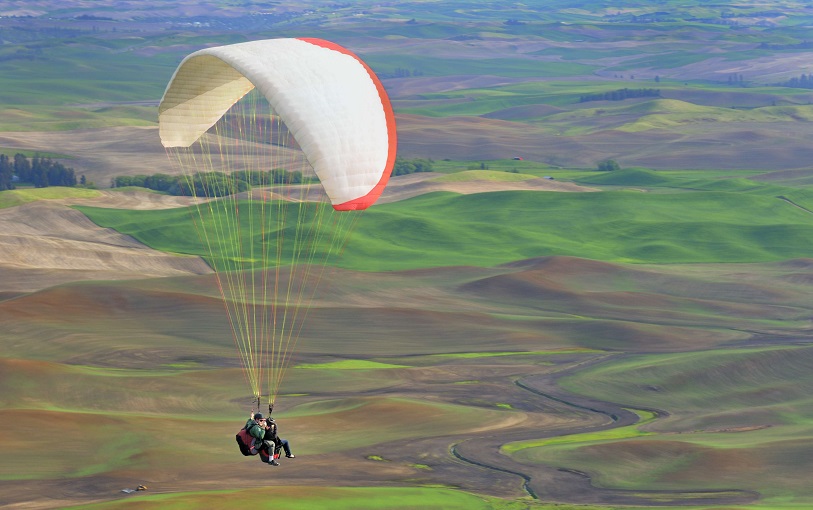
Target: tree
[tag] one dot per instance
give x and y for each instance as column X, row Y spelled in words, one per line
column 39, row 177
column 608, row 165
column 22, row 167
column 6, row 173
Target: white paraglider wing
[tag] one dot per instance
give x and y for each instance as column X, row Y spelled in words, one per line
column 332, row 103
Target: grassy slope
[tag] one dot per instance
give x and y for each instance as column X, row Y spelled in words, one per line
column 714, row 104
column 313, row 498
column 36, row 89
column 698, row 181
column 344, row 498
column 483, row 175
column 12, row 198
column 487, row 229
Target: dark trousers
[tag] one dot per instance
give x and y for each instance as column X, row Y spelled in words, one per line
column 282, row 443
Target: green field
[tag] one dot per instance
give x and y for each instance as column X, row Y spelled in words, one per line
column 314, row 498
column 488, row 229
column 12, row 198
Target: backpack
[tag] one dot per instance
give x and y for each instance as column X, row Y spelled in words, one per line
column 244, row 441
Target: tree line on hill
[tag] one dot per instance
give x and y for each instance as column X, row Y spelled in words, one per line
column 42, row 172
column 210, row 184
column 400, row 72
column 804, row 45
column 620, row 95
column 218, row 184
column 804, row 81
column 39, row 172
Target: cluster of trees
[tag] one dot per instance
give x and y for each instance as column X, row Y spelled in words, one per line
column 620, row 95
column 608, row 165
column 650, row 17
column 157, row 182
column 804, row 45
column 39, row 172
column 481, row 166
column 211, row 184
column 401, row 72
column 411, row 166
column 736, row 80
column 804, row 81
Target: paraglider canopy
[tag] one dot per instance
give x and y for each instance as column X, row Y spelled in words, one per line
column 332, row 103
column 286, row 142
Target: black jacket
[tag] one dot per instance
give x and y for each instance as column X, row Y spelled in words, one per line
column 271, row 431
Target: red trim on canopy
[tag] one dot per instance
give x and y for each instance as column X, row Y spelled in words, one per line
column 370, row 198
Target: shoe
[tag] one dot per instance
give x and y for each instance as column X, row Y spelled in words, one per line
column 273, row 462
column 291, row 456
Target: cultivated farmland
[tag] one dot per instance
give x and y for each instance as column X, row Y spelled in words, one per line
column 514, row 329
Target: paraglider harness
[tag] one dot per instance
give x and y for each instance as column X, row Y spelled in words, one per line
column 245, row 439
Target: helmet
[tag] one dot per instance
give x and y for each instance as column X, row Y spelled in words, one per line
column 258, row 416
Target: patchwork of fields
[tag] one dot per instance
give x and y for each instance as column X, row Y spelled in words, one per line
column 514, row 329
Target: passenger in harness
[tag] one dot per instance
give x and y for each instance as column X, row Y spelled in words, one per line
column 252, row 438
column 271, row 433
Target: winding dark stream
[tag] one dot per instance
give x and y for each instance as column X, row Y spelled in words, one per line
column 572, row 486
